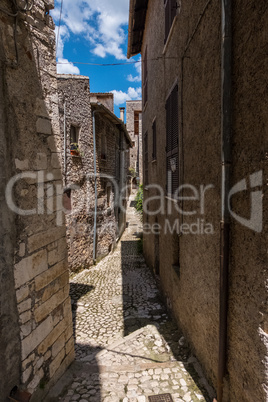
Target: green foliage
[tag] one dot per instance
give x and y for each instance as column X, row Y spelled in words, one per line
column 132, row 172
column 139, row 200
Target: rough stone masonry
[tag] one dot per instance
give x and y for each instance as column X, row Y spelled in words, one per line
column 36, row 336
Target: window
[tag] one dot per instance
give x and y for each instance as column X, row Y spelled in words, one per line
column 74, row 134
column 136, row 122
column 146, row 158
column 170, row 14
column 145, row 79
column 103, row 147
column 154, row 140
column 172, row 133
column 133, row 144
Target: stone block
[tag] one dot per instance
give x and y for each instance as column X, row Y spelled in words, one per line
column 52, row 337
column 50, row 275
column 36, row 380
column 58, row 345
column 27, row 361
column 22, row 293
column 22, row 165
column 24, row 306
column 26, row 316
column 47, row 307
column 56, row 363
column 69, row 345
column 21, row 250
column 35, row 338
column 26, row 329
column 41, row 108
column 40, row 162
column 43, row 126
column 55, row 160
column 55, row 286
column 43, row 239
column 26, row 374
column 30, row 267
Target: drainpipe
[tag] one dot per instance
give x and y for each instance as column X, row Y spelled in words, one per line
column 64, row 144
column 96, row 191
column 226, row 112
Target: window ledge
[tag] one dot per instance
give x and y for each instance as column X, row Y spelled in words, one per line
column 170, row 34
column 154, row 161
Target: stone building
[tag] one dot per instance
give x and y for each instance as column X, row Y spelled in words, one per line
column 36, row 333
column 134, row 127
column 95, row 218
column 205, row 133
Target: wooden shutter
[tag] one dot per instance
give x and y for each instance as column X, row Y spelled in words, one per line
column 172, row 138
column 146, row 158
column 170, row 14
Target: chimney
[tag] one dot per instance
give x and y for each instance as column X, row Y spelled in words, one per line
column 122, row 113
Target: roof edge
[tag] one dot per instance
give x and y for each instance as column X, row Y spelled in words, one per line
column 100, row 106
column 135, row 6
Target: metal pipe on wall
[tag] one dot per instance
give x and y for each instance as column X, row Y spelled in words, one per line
column 226, row 128
column 64, row 142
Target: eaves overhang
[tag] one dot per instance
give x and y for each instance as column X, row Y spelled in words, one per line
column 100, row 108
column 136, row 25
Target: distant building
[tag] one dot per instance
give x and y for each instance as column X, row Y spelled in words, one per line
column 204, row 118
column 91, row 232
column 134, row 127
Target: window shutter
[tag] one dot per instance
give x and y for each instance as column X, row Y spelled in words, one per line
column 170, row 14
column 146, row 158
column 172, row 132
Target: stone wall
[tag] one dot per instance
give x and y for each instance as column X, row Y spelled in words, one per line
column 79, row 171
column 106, row 99
column 188, row 261
column 136, row 161
column 36, row 321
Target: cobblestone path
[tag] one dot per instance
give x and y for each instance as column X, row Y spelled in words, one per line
column 127, row 348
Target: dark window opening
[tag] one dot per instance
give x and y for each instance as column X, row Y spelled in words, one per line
column 74, row 134
column 103, row 147
column 146, row 158
column 170, row 13
column 172, row 139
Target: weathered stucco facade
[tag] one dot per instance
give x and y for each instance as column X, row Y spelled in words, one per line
column 186, row 257
column 77, row 106
column 36, row 334
column 134, row 128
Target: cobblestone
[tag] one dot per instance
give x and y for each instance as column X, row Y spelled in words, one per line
column 127, row 347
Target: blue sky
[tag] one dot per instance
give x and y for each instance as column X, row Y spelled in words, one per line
column 95, row 31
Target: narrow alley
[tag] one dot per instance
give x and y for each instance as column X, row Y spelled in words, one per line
column 127, row 347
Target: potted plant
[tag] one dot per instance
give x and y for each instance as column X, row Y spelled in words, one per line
column 74, row 149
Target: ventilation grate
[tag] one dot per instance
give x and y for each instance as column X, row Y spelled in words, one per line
column 160, row 398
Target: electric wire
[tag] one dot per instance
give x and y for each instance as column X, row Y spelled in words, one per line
column 115, row 64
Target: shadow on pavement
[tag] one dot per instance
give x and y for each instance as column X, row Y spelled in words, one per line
column 142, row 306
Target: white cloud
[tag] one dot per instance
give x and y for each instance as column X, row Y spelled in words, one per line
column 66, row 67
column 100, row 21
column 63, row 37
column 137, row 78
column 121, row 97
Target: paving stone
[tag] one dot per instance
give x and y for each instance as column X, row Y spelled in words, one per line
column 122, row 331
